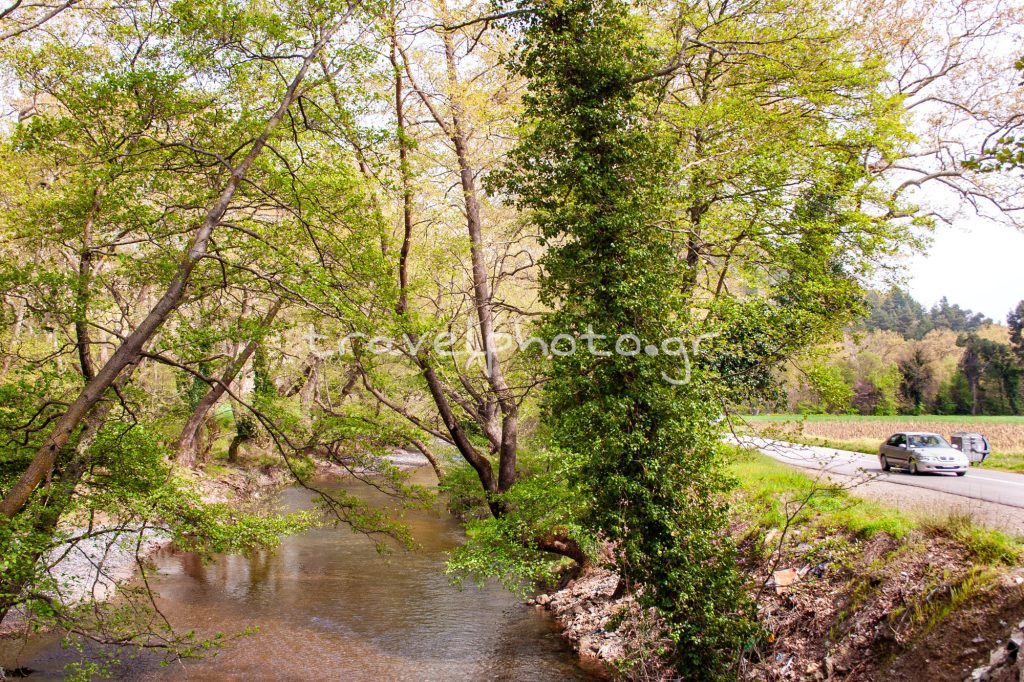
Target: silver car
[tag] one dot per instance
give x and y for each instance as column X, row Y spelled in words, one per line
column 920, row 452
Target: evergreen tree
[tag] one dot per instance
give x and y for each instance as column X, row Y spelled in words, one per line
column 916, row 375
column 899, row 312
column 993, row 375
column 951, row 316
column 1015, row 321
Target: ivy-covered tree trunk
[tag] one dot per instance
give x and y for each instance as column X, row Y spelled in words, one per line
column 595, row 174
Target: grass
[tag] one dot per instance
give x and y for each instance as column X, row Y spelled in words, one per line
column 865, row 433
column 767, row 485
column 984, row 545
column 865, row 567
column 931, row 612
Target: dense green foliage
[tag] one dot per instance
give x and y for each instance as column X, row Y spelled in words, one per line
column 897, row 311
column 629, row 234
column 294, row 237
column 539, row 504
column 1015, row 322
column 596, row 172
column 138, row 119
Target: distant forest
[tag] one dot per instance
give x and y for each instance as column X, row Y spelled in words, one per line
column 903, row 358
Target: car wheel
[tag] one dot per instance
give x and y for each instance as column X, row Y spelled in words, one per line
column 961, row 473
column 885, row 464
column 913, row 468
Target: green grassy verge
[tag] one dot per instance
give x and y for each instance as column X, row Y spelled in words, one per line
column 770, row 491
column 1007, row 461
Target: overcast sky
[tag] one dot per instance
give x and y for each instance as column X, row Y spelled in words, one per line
column 976, row 263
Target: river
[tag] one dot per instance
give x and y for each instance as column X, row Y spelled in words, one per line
column 329, row 607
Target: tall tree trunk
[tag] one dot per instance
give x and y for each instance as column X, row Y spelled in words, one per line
column 62, row 487
column 508, row 447
column 507, row 441
column 406, row 174
column 311, row 386
column 309, row 368
column 187, row 441
column 130, row 350
column 19, row 324
column 478, row 461
column 233, row 448
column 52, row 507
column 85, row 271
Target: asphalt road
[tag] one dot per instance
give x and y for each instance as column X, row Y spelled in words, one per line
column 996, row 487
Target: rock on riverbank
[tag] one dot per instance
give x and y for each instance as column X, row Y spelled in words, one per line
column 1005, row 663
column 585, row 608
column 857, row 609
column 602, row 625
column 89, row 568
column 90, row 565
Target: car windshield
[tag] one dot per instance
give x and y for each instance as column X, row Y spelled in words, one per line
column 929, row 440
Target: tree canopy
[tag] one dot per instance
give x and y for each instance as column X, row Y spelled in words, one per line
column 549, row 247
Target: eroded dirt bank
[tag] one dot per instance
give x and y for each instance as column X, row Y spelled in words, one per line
column 919, row 608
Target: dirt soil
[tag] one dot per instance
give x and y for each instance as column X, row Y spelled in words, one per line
column 857, row 610
column 882, row 610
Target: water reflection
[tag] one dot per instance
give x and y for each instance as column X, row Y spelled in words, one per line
column 330, row 607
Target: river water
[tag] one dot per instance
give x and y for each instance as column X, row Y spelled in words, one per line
column 329, row 607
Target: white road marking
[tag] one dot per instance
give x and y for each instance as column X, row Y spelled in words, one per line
column 997, row 480
column 976, row 486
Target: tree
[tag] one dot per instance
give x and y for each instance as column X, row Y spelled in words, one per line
column 497, row 414
column 1006, row 152
column 929, row 51
column 150, row 172
column 1015, row 322
column 1006, row 372
column 993, row 376
column 954, row 396
column 186, row 445
column 832, row 391
column 20, row 18
column 916, row 378
column 462, row 265
column 951, row 316
column 593, row 170
column 131, row 349
column 897, row 311
column 659, row 218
